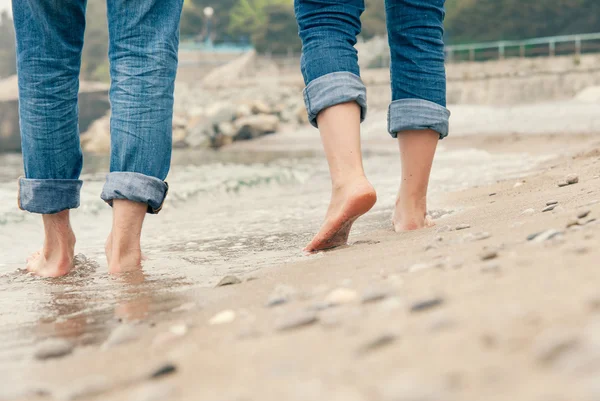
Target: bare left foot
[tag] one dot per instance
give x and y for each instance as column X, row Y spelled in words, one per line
column 410, row 215
column 56, row 257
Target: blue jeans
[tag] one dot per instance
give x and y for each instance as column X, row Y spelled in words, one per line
column 328, row 29
column 144, row 40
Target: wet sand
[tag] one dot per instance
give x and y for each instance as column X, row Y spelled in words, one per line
column 488, row 305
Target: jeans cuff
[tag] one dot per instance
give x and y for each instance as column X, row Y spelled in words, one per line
column 135, row 187
column 48, row 196
column 417, row 114
column 333, row 89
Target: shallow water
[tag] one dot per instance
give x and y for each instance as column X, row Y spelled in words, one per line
column 227, row 213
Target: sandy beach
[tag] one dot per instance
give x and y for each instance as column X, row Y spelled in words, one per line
column 499, row 301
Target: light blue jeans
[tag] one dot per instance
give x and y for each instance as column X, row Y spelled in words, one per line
column 143, row 45
column 328, row 29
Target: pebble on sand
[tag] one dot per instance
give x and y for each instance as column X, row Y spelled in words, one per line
column 583, row 214
column 569, row 180
column 296, row 320
column 229, row 280
column 223, row 317
column 552, row 344
column 122, row 334
column 374, row 295
column 552, row 202
column 491, row 267
column 488, row 254
column 421, row 306
column 376, row 343
column 481, row 236
column 341, row 296
column 528, row 212
column 163, row 370
column 544, row 235
column 462, row 227
column 549, row 208
column 53, row 348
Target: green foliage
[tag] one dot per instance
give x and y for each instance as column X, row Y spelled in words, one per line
column 251, row 16
column 278, row 34
column 7, row 46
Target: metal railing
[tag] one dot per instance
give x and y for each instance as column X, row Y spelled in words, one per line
column 538, row 47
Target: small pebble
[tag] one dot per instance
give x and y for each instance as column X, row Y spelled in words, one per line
column 493, row 194
column 552, row 202
column 163, row 370
column 572, row 179
column 53, row 348
column 275, row 300
column 184, row 307
column 374, row 295
column 228, row 280
column 488, row 254
column 549, row 208
column 528, row 212
column 427, row 304
column 157, row 391
column 550, row 345
column 179, row 330
column 518, row 184
column 462, row 227
column 122, row 334
column 341, row 296
column 477, row 236
column 490, row 268
column 296, row 320
column 444, row 229
column 583, row 214
column 223, row 317
column 544, row 235
column 572, row 223
column 376, row 343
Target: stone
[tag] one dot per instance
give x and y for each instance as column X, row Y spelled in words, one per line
column 243, row 110
column 517, row 184
column 84, row 388
column 528, row 212
column 163, row 370
column 123, row 334
column 493, row 194
column 549, row 208
column 254, row 126
column 552, row 202
column 374, row 294
column 281, row 295
column 583, row 214
column 488, row 254
column 260, row 107
column 296, row 320
column 572, row 223
column 223, row 317
column 490, row 268
column 276, row 300
column 154, row 391
column 341, row 296
column 53, row 348
column 376, row 343
column 419, row 266
column 427, row 304
column 462, row 227
column 544, row 236
column 552, row 344
column 477, row 236
column 227, row 129
column 179, row 330
column 228, row 280
column 572, row 179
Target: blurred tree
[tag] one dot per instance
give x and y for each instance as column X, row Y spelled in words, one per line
column 8, row 65
column 373, row 19
column 193, row 19
column 278, row 34
column 251, row 16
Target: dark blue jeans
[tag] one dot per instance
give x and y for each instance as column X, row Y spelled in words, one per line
column 144, row 40
column 328, row 29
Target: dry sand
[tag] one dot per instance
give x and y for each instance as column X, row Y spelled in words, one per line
column 444, row 324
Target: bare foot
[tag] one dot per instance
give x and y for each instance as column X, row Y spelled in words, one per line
column 410, row 215
column 123, row 248
column 56, row 257
column 348, row 203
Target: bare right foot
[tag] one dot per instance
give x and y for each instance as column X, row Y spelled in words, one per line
column 57, row 256
column 123, row 248
column 348, row 203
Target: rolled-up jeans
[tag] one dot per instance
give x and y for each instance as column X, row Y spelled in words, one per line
column 328, row 29
column 143, row 45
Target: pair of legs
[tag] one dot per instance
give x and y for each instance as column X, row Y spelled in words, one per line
column 143, row 44
column 336, row 102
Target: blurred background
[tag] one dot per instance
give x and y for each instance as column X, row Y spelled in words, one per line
column 249, row 185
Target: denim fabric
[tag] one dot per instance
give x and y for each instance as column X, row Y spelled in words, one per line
column 328, row 30
column 135, row 187
column 144, row 38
